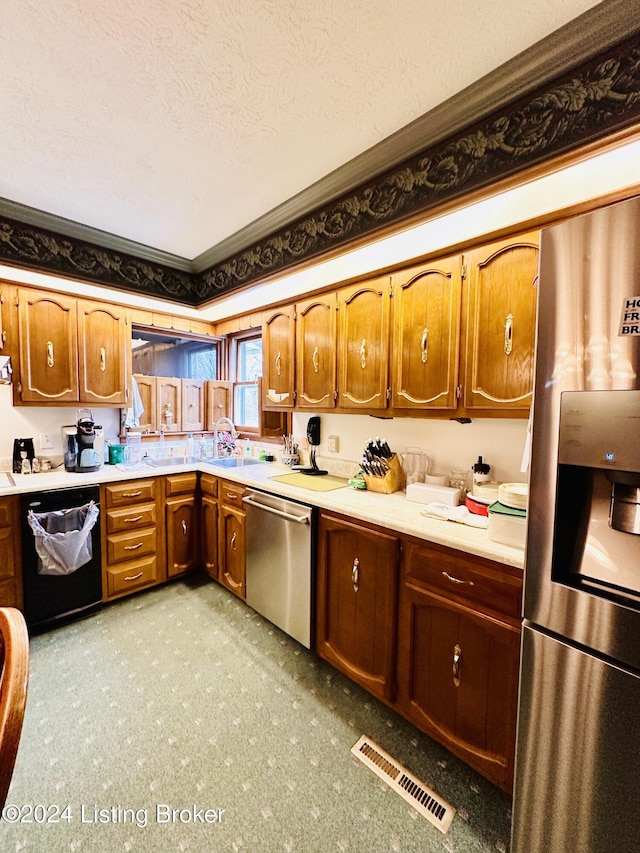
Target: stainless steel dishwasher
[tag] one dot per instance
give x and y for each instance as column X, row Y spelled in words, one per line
column 279, row 562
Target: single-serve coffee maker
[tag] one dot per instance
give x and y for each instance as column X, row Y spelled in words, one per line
column 83, row 444
column 22, row 451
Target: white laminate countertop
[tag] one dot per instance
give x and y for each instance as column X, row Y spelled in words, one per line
column 393, row 511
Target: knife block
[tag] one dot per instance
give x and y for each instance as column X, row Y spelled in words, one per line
column 393, row 480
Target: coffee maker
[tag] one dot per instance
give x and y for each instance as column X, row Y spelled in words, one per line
column 84, row 444
column 22, row 449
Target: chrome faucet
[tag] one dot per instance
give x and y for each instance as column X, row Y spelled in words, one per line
column 216, row 429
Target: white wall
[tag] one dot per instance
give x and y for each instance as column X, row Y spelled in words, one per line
column 500, row 441
column 31, row 421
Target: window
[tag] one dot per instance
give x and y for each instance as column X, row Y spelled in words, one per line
column 172, row 354
column 246, row 371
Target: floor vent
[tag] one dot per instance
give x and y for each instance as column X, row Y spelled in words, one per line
column 424, row 801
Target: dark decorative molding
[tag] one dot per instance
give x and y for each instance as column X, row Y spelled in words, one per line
column 34, row 248
column 594, row 100
column 597, row 98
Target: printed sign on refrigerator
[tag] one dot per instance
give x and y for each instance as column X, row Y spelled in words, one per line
column 630, row 318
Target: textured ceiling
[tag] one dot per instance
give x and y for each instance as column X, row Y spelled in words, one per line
column 177, row 123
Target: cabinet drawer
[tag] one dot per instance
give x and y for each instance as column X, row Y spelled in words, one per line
column 180, row 484
column 126, row 546
column 231, row 493
column 131, row 576
column 479, row 583
column 131, row 518
column 135, row 491
column 209, row 485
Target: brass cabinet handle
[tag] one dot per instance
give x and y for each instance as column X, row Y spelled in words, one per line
column 456, row 580
column 50, row 359
column 363, row 353
column 314, row 359
column 132, row 495
column 133, row 547
column 134, row 577
column 278, row 364
column 424, row 345
column 355, row 574
column 132, row 520
column 233, row 542
column 457, row 654
column 508, row 334
column 103, row 359
column 232, row 496
column 184, row 527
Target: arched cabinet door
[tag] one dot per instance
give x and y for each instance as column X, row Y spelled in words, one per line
column 104, row 349
column 426, row 335
column 363, row 344
column 500, row 324
column 48, row 347
column 278, row 360
column 316, row 361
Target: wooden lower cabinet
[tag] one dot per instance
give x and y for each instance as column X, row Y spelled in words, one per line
column 431, row 631
column 458, row 655
column 209, row 525
column 10, row 553
column 181, row 523
column 132, row 537
column 358, row 570
column 231, row 538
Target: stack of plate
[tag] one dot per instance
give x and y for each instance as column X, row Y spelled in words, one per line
column 485, row 493
column 514, row 495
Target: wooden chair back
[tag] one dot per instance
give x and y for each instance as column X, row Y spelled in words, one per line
column 14, row 667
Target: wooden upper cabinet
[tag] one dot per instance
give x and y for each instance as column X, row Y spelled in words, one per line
column 217, row 401
column 363, row 344
column 316, row 339
column 500, row 324
column 147, row 391
column 48, row 347
column 104, row 344
column 168, row 403
column 193, row 411
column 426, row 335
column 278, row 342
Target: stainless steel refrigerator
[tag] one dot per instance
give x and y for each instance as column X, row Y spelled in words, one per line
column 577, row 786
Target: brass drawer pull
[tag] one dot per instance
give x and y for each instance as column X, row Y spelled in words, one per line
column 50, row 358
column 133, row 547
column 232, row 496
column 278, row 364
column 457, row 580
column 132, row 520
column 314, row 359
column 508, row 335
column 457, row 654
column 184, row 527
column 355, row 575
column 134, row 577
column 233, row 542
column 424, row 345
column 103, row 359
column 363, row 354
column 132, row 494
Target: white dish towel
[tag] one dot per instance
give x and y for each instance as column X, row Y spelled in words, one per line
column 136, row 409
column 455, row 513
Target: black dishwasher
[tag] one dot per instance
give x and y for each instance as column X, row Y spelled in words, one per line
column 61, row 584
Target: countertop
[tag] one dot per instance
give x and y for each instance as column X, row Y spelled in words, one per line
column 393, row 511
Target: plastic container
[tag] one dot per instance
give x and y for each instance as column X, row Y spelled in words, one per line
column 426, row 494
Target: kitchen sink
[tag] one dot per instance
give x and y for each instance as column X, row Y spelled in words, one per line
column 162, row 461
column 234, row 461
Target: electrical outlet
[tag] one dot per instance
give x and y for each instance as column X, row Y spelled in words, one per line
column 46, row 441
column 332, row 444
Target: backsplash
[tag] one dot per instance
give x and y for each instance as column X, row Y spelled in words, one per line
column 500, row 441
